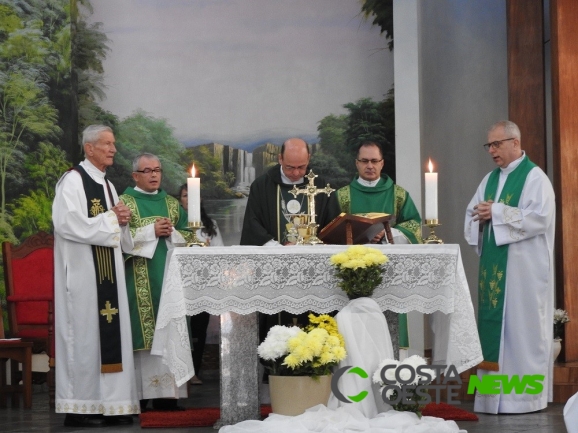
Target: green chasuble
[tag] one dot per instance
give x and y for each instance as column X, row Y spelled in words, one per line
column 144, row 277
column 494, row 264
column 385, row 197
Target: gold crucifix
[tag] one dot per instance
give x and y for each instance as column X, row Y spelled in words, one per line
column 311, row 191
column 108, row 312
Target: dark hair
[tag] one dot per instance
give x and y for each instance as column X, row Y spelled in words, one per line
column 368, row 143
column 209, row 226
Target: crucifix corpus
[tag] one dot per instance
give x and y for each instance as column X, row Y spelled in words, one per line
column 311, row 191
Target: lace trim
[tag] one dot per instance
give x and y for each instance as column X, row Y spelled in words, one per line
column 424, row 278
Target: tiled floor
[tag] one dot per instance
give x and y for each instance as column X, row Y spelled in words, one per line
column 41, row 419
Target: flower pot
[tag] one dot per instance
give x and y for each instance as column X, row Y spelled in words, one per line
column 292, row 395
column 556, row 347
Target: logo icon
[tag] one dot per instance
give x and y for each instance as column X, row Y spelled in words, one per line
column 335, row 388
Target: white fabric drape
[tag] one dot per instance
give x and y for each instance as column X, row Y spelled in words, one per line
column 367, row 342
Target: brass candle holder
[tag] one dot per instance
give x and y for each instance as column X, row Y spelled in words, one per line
column 193, row 227
column 432, row 238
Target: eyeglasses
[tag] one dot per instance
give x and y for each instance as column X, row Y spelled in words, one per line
column 150, row 170
column 367, row 161
column 496, row 144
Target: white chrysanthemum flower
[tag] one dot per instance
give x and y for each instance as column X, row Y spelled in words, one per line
column 275, row 344
column 414, row 362
column 389, row 374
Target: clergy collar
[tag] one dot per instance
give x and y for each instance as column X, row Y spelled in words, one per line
column 136, row 188
column 92, row 170
column 512, row 165
column 288, row 181
column 369, row 183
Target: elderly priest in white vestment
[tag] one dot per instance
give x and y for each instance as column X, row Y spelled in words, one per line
column 510, row 221
column 95, row 382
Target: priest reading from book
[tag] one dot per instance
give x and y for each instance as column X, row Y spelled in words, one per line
column 272, row 209
column 374, row 191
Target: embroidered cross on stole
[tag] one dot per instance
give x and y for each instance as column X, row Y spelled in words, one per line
column 106, row 285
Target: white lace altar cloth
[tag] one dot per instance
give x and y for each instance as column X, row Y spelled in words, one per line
column 246, row 279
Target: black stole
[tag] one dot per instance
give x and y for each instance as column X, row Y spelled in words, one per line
column 106, row 287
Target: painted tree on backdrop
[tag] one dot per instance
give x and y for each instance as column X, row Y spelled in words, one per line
column 143, row 133
column 339, row 137
column 40, row 103
column 215, row 183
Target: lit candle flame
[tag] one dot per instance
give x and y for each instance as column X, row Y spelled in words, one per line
column 193, row 171
column 430, row 166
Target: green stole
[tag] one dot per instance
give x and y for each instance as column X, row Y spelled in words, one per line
column 106, row 286
column 493, row 266
column 144, row 277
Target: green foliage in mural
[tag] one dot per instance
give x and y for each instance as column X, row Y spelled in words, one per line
column 141, row 133
column 339, row 137
column 215, row 184
column 31, row 212
column 382, row 13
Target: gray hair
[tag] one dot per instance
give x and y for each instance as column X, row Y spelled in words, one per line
column 143, row 155
column 92, row 133
column 510, row 128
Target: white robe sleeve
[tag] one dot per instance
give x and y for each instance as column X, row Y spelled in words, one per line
column 70, row 217
column 533, row 215
column 144, row 242
column 471, row 227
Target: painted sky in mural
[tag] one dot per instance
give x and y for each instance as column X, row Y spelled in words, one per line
column 240, row 72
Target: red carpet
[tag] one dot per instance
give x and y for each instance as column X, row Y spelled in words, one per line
column 193, row 417
column 448, row 412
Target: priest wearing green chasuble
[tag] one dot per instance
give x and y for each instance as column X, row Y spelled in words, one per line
column 510, row 222
column 374, row 191
column 154, row 225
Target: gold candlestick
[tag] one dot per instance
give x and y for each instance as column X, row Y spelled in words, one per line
column 193, row 227
column 432, row 238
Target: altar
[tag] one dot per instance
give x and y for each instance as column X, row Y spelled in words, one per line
column 237, row 282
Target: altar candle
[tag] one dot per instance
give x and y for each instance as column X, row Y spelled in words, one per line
column 194, row 192
column 431, row 194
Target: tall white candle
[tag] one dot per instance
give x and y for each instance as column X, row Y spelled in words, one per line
column 431, row 194
column 194, row 192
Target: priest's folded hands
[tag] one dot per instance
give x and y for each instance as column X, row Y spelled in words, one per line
column 163, row 227
column 122, row 212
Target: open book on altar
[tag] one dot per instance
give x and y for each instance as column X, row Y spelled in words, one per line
column 350, row 229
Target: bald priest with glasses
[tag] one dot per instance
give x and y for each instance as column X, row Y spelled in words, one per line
column 510, row 222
